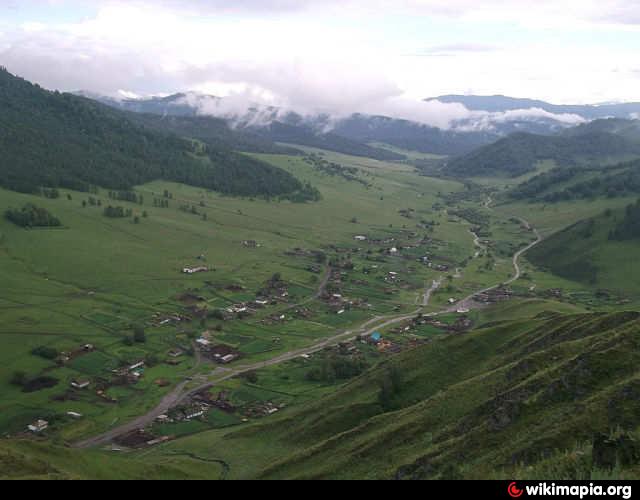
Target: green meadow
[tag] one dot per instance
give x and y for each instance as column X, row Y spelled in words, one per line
column 95, row 280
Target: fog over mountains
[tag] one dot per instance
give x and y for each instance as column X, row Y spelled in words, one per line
column 448, row 125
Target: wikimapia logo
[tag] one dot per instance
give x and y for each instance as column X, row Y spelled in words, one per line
column 581, row 491
column 514, row 492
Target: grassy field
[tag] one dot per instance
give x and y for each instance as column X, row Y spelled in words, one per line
column 94, row 279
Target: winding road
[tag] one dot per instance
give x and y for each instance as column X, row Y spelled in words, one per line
column 182, row 391
column 468, row 302
column 516, row 257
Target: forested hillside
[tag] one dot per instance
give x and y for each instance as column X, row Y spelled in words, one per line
column 565, row 184
column 629, row 129
column 629, row 227
column 60, row 140
column 215, row 132
column 518, row 154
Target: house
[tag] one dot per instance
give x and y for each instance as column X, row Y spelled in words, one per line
column 203, row 342
column 80, row 384
column 39, row 426
column 383, row 345
column 360, row 238
column 160, row 440
column 237, row 309
column 194, row 270
column 136, row 366
column 375, row 338
column 250, row 244
column 452, row 301
column 463, row 310
column 176, row 353
column 74, row 414
column 194, row 415
column 63, row 359
column 229, row 358
column 393, row 251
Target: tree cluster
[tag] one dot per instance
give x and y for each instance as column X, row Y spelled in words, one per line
column 32, row 216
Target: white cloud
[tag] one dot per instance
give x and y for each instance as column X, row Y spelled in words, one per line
column 482, row 120
column 434, row 113
column 327, row 55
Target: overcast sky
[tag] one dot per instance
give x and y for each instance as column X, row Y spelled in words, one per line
column 331, row 55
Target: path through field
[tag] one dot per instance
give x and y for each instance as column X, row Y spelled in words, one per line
column 182, row 391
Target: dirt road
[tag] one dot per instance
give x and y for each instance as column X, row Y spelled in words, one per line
column 468, row 302
column 182, row 391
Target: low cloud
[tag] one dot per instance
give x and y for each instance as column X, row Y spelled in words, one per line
column 266, row 55
column 487, row 121
column 432, row 113
column 249, row 109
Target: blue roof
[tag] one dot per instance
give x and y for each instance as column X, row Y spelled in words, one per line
column 376, row 336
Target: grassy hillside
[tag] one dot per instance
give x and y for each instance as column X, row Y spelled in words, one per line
column 553, row 395
column 60, row 140
column 28, row 460
column 474, row 406
column 585, row 253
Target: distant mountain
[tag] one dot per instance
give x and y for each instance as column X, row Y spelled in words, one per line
column 173, row 105
column 489, row 119
column 518, row 154
column 49, row 139
column 500, row 104
column 348, row 135
column 207, row 117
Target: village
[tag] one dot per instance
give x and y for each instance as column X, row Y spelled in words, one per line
column 346, row 279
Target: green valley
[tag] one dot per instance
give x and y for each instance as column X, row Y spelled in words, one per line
column 185, row 298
